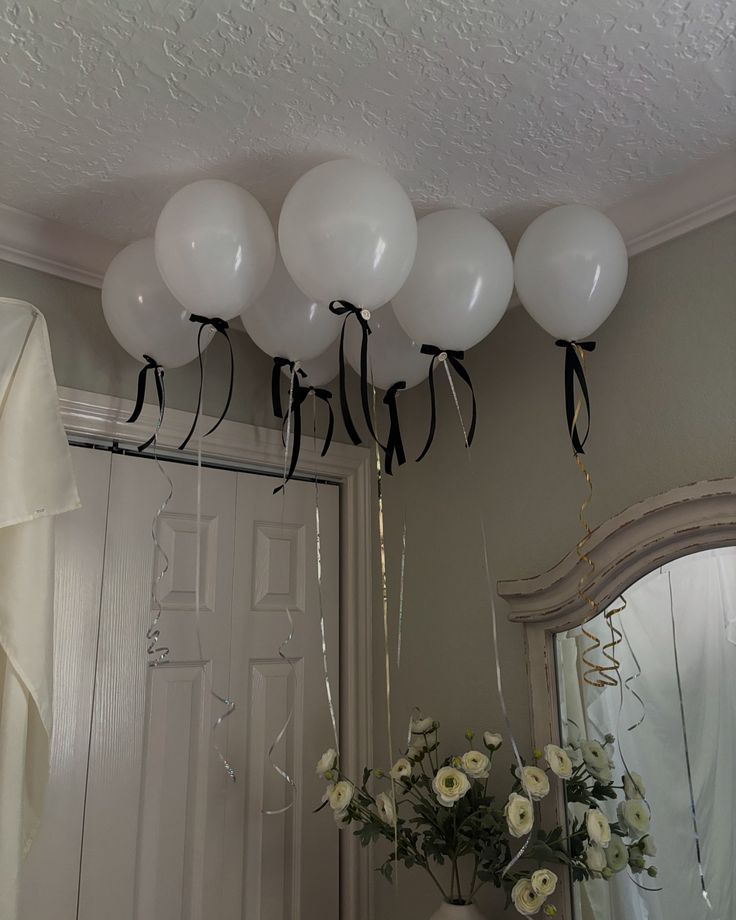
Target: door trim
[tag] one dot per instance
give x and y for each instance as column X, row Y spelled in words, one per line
column 102, row 418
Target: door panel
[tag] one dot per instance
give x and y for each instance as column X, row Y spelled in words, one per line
column 282, row 866
column 156, row 795
column 51, row 872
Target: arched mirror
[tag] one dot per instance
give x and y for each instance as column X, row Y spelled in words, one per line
column 642, row 647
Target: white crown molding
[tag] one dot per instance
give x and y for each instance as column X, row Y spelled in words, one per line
column 54, row 248
column 704, row 192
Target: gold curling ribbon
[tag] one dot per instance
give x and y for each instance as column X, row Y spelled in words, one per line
column 595, row 675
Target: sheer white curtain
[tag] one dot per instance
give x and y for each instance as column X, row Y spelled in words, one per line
column 704, row 604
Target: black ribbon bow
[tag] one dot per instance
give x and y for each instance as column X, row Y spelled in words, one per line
column 347, row 309
column 158, row 375
column 394, row 444
column 574, row 368
column 220, row 326
column 278, row 364
column 455, row 358
column 298, row 394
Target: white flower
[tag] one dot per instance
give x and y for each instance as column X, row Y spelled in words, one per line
column 594, row 756
column 519, row 814
column 544, row 882
column 492, row 740
column 617, row 855
column 535, row 782
column 595, row 857
column 633, row 815
column 340, row 795
column 450, row 785
column 559, row 762
column 575, row 755
column 599, row 830
column 647, row 845
column 422, row 726
column 326, row 762
column 386, row 809
column 476, row 764
column 417, row 748
column 401, row 769
column 633, row 786
column 526, row 900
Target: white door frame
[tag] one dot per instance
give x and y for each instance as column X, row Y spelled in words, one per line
column 102, row 418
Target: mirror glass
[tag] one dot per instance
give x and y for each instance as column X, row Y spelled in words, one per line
column 671, row 705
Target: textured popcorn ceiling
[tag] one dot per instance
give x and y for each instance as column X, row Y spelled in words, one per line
column 107, row 107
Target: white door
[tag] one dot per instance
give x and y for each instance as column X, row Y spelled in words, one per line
column 165, row 834
column 50, row 881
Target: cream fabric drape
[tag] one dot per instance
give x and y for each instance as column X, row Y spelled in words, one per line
column 704, row 602
column 36, row 483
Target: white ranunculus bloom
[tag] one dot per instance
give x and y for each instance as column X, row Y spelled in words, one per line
column 450, row 785
column 422, row 726
column 544, row 882
column 598, row 828
column 476, row 764
column 386, row 808
column 401, row 769
column 647, row 845
column 633, row 786
column 341, row 795
column 535, row 782
column 603, row 774
column 519, row 814
column 326, row 762
column 526, row 900
column 575, row 755
column 492, row 740
column 617, row 854
column 595, row 857
column 594, row 755
column 559, row 762
column 633, row 815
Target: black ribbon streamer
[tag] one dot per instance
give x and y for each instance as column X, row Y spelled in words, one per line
column 278, row 364
column 298, row 394
column 394, row 444
column 347, row 309
column 158, row 375
column 219, row 325
column 455, row 358
column 574, row 369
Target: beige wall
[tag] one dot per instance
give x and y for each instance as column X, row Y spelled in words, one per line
column 663, row 390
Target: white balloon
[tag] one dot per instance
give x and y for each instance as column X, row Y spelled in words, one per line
column 570, row 269
column 142, row 313
column 285, row 323
column 322, row 369
column 392, row 355
column 215, row 247
column 460, row 284
column 347, row 231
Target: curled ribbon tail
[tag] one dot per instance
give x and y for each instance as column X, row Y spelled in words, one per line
column 455, row 359
column 158, row 376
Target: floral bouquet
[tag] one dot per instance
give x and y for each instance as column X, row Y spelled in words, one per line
column 438, row 815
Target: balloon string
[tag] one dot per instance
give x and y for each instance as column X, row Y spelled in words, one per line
column 229, row 705
column 323, row 632
column 627, row 683
column 693, row 809
column 281, row 649
column 158, row 652
column 494, row 626
column 386, row 645
column 401, row 595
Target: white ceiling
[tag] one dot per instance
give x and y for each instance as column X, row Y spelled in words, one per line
column 108, row 106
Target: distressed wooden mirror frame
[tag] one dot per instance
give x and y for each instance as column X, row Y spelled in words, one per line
column 628, row 546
